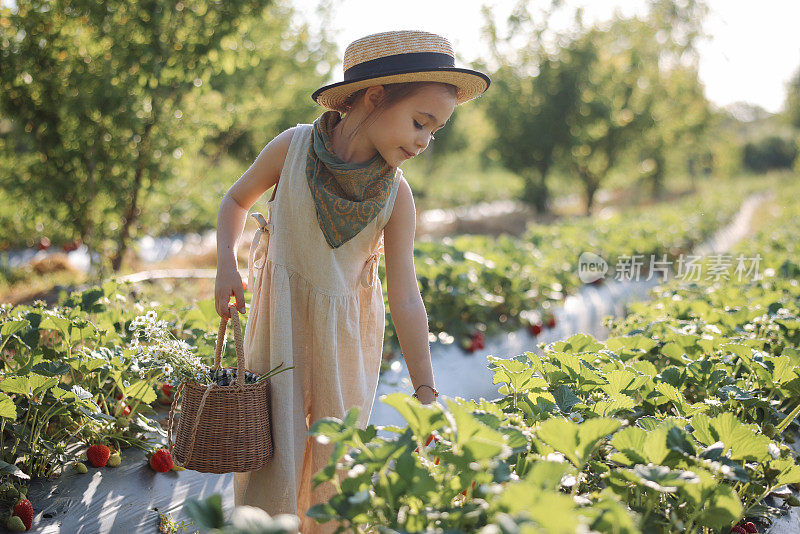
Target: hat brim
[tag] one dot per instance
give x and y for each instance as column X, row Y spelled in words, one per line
column 470, row 84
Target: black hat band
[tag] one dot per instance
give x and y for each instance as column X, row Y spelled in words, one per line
column 399, row 62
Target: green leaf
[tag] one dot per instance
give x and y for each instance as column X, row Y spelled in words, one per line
column 547, row 475
column 10, row 328
column 722, row 509
column 51, row 368
column 582, row 343
column 622, row 381
column 141, row 390
column 655, row 445
column 789, row 471
column 617, row 403
column 565, row 398
column 422, row 419
column 562, row 435
column 575, row 442
column 476, row 439
column 207, row 514
column 8, row 409
column 12, row 470
column 550, row 510
column 783, row 370
column 630, row 442
column 16, row 384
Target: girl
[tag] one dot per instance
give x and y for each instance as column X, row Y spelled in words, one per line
column 340, row 200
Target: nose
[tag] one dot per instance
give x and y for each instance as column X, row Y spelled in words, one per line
column 422, row 141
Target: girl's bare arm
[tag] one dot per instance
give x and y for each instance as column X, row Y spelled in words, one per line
column 405, row 302
column 261, row 176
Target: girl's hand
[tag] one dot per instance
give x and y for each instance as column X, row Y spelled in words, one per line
column 228, row 283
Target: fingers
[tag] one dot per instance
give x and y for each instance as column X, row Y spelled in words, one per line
column 238, row 293
column 228, row 286
column 222, row 307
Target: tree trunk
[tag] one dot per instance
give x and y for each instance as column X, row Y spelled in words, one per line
column 658, row 176
column 535, row 191
column 132, row 214
column 592, row 185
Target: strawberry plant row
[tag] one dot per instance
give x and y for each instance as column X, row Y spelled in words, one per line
column 679, row 422
column 88, row 373
column 474, row 286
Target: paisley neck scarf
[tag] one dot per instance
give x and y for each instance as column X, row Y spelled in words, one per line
column 347, row 196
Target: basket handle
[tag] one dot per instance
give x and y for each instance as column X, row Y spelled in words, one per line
column 172, row 407
column 237, row 336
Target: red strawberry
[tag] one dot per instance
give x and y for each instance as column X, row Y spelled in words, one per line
column 126, row 410
column 551, row 321
column 161, row 461
column 24, row 510
column 431, row 437
column 479, row 338
column 738, row 530
column 464, row 493
column 119, row 396
column 750, row 527
column 98, row 455
column 167, row 389
column 535, row 329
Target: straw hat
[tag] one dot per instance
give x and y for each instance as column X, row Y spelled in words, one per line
column 396, row 57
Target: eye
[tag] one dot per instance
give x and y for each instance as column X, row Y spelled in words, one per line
column 418, row 126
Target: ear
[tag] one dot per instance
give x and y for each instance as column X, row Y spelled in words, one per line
column 373, row 95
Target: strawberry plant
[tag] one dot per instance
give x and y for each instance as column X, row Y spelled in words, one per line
column 679, row 421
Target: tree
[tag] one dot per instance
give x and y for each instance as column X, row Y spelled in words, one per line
column 533, row 87
column 675, row 99
column 99, row 91
column 793, row 100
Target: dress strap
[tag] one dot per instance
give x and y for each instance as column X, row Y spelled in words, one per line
column 370, row 271
column 259, row 246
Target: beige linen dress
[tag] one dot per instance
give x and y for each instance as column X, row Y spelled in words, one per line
column 321, row 310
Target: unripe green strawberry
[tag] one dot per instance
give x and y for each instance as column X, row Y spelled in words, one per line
column 15, row 524
column 769, row 430
column 114, row 460
column 80, row 467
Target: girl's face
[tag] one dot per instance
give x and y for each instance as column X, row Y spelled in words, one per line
column 405, row 129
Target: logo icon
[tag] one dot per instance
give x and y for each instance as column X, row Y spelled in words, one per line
column 591, row 267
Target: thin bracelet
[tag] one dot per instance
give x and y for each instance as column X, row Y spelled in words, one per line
column 435, row 393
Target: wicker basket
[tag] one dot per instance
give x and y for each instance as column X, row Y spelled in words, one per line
column 223, row 429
